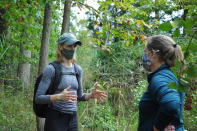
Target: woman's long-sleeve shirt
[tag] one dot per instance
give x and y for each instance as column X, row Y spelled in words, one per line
column 161, row 105
column 66, row 81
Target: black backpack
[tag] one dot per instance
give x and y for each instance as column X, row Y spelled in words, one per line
column 41, row 109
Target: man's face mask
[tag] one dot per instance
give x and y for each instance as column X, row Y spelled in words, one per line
column 68, row 54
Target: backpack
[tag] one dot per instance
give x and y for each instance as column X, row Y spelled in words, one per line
column 41, row 109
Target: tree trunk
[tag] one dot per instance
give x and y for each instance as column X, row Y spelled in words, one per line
column 24, row 68
column 45, row 38
column 44, row 51
column 66, row 16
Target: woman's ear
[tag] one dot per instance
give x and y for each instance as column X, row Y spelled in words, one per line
column 155, row 55
column 151, row 54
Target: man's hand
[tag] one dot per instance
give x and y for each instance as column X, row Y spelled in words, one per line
column 168, row 128
column 98, row 94
column 67, row 95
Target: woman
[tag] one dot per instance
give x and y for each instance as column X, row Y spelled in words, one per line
column 62, row 115
column 161, row 107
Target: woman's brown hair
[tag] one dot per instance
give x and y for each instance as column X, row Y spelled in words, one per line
column 168, row 50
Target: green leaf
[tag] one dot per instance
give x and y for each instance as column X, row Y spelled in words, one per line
column 188, row 26
column 193, row 47
column 175, row 24
column 176, row 33
column 184, row 82
column 192, row 71
column 166, row 26
column 180, row 88
column 127, row 43
column 176, row 67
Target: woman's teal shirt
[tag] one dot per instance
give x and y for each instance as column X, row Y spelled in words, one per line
column 161, row 105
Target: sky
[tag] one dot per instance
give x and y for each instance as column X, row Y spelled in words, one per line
column 80, row 13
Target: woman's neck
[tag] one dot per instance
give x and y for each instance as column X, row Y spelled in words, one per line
column 67, row 63
column 156, row 66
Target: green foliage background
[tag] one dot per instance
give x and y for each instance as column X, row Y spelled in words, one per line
column 113, row 38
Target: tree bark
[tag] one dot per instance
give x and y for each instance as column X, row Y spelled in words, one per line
column 44, row 51
column 24, row 68
column 66, row 16
column 45, row 38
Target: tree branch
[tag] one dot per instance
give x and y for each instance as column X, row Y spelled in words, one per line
column 87, row 6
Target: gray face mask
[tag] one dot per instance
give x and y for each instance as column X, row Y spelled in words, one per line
column 68, row 54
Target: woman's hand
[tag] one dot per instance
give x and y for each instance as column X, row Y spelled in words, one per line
column 97, row 94
column 65, row 95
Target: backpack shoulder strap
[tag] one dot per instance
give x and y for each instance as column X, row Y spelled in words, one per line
column 76, row 72
column 57, row 78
